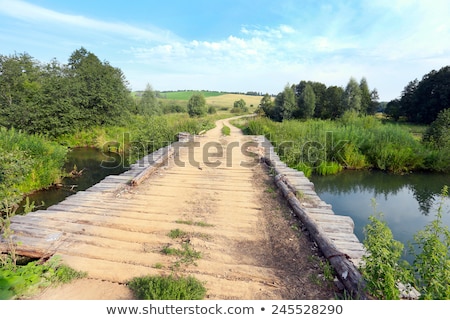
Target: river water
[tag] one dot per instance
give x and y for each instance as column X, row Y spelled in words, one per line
column 94, row 166
column 408, row 202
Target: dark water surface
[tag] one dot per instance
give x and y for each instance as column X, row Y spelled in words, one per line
column 408, row 202
column 94, row 165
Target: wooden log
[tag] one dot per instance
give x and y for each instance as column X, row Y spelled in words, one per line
column 166, row 154
column 346, row 271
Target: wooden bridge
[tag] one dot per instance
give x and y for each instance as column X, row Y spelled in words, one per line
column 118, row 228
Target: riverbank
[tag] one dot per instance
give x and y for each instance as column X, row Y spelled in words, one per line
column 326, row 147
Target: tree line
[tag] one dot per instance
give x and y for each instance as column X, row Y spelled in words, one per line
column 310, row 99
column 421, row 101
column 55, row 98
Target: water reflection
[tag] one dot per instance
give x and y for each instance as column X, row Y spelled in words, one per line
column 425, row 187
column 408, row 202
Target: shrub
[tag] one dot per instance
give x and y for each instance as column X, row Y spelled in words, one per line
column 432, row 257
column 430, row 272
column 438, row 134
column 381, row 269
column 167, row 288
column 196, row 105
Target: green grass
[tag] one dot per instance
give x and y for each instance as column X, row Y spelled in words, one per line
column 226, row 131
column 18, row 281
column 167, row 288
column 27, row 163
column 177, row 233
column 187, row 254
column 326, row 147
column 186, row 95
column 194, row 223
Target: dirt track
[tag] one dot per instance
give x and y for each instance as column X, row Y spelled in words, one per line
column 251, row 247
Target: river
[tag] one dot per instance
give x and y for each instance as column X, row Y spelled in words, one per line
column 93, row 165
column 408, row 202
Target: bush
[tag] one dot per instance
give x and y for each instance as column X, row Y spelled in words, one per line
column 432, row 257
column 383, row 269
column 438, row 134
column 381, row 263
column 17, row 281
column 167, row 288
column 27, row 163
column 197, row 105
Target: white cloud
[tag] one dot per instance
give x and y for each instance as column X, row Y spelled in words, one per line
column 30, row 12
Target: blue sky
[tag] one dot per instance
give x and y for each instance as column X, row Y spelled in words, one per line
column 245, row 45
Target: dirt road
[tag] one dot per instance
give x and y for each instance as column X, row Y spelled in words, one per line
column 225, row 206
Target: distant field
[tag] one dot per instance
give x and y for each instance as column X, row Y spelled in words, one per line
column 186, row 95
column 227, row 100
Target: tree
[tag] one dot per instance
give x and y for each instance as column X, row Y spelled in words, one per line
column 148, row 105
column 352, row 96
column 333, row 103
column 307, row 102
column 267, row 106
column 285, row 104
column 19, row 90
column 196, row 105
column 100, row 90
column 366, row 98
column 393, row 109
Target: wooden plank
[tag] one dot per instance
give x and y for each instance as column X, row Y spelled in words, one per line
column 332, row 219
column 346, row 271
column 319, row 211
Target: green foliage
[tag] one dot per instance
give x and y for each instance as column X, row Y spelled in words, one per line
column 17, row 281
column 421, row 101
column 212, row 110
column 351, row 142
column 167, row 288
column 438, row 133
column 381, row 268
column 431, row 249
column 196, row 105
column 194, row 223
column 226, row 131
column 187, row 254
column 430, row 272
column 148, row 104
column 352, row 96
column 306, row 102
column 56, row 99
column 177, row 233
column 239, row 106
column 27, row 163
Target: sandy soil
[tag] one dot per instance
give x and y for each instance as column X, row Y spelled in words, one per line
column 256, row 250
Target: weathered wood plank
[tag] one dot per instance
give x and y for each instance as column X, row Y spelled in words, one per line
column 347, row 272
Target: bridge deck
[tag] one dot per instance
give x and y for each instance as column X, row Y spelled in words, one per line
column 117, row 230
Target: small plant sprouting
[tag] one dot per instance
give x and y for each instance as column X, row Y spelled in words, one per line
column 177, row 233
column 194, row 223
column 187, row 254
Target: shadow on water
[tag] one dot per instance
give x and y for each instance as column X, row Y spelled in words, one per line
column 92, row 166
column 408, row 202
